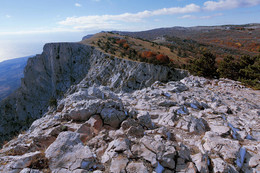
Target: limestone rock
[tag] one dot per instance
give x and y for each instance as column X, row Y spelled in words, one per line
column 48, row 76
column 118, row 119
column 144, row 153
column 220, row 130
column 68, row 152
column 112, row 116
column 118, row 164
column 225, row 147
column 201, row 162
column 145, row 120
column 254, row 161
column 219, row 165
column 135, row 167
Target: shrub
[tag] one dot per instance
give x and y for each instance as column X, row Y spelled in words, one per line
column 41, row 162
column 148, row 54
column 121, row 42
column 53, row 102
column 164, row 59
column 246, row 69
column 204, row 66
column 228, row 68
column 125, row 46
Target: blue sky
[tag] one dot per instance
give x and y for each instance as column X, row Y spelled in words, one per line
column 25, row 25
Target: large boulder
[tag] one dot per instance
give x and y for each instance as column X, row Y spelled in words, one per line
column 68, row 152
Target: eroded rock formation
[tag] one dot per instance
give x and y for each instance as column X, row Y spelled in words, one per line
column 191, row 125
column 48, row 76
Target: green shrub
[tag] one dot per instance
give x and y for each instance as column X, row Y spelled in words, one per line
column 246, row 69
column 204, row 66
column 53, row 102
column 228, row 68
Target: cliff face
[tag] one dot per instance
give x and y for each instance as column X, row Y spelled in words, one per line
column 114, row 115
column 61, row 65
column 191, row 125
column 11, row 71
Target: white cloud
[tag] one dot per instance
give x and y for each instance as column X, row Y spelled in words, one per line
column 228, row 4
column 188, row 17
column 212, row 16
column 200, row 17
column 109, row 20
column 77, row 5
column 8, row 16
column 36, row 31
column 177, row 10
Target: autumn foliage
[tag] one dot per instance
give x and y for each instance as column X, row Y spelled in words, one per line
column 121, row 42
column 148, row 54
column 153, row 57
column 162, row 58
column 126, row 46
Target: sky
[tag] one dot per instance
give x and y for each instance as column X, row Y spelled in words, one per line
column 26, row 25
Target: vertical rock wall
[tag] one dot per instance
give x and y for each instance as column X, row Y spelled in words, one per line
column 61, row 65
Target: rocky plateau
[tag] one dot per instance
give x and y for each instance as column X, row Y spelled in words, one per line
column 122, row 116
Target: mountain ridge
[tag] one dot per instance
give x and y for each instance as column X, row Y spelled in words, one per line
column 224, row 39
column 90, row 108
column 10, row 73
column 62, row 65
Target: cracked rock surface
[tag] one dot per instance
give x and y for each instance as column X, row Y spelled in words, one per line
column 50, row 75
column 192, row 125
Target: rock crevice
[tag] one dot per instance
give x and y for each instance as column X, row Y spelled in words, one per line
column 48, row 76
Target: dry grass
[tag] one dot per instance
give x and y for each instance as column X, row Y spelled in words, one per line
column 14, row 152
column 137, row 44
column 41, row 163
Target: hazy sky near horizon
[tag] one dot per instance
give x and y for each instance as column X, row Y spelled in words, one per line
column 25, row 25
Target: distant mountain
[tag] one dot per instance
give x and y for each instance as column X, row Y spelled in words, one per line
column 101, row 110
column 222, row 40
column 11, row 71
column 87, row 36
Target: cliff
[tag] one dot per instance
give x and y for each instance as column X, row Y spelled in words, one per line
column 192, row 125
column 114, row 115
column 11, row 72
column 48, row 76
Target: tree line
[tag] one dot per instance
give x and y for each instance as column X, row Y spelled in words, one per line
column 245, row 69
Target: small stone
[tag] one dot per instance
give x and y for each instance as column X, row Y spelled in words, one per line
column 67, row 151
column 167, row 103
column 191, row 168
column 254, row 161
column 220, row 130
column 200, row 162
column 135, row 131
column 145, row 120
column 219, row 165
column 118, row 164
column 135, row 167
column 112, row 117
column 28, row 170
